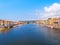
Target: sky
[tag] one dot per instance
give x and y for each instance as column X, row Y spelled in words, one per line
column 21, row 10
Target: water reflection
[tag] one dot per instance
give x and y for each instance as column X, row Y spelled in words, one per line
column 52, row 35
column 30, row 34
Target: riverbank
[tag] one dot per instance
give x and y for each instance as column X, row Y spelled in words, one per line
column 53, row 26
column 4, row 29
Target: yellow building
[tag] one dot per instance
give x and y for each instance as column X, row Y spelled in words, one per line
column 51, row 21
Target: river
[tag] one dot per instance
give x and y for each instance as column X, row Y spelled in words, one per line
column 30, row 34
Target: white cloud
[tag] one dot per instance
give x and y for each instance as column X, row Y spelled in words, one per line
column 51, row 11
column 54, row 7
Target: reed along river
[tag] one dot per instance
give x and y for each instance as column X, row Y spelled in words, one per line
column 30, row 34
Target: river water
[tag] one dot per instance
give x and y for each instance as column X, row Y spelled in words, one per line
column 30, row 34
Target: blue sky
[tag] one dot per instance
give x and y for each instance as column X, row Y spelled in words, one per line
column 23, row 9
